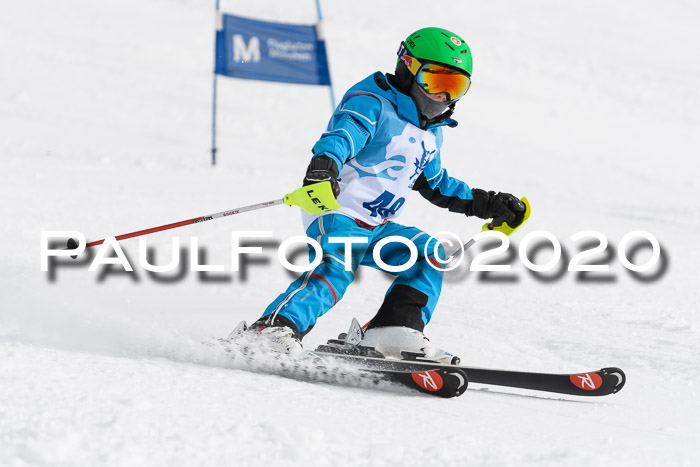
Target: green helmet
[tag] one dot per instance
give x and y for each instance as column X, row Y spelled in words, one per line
column 434, row 62
column 440, row 46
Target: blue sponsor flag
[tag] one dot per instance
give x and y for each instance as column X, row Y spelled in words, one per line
column 252, row 49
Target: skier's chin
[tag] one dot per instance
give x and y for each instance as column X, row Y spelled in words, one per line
column 434, row 115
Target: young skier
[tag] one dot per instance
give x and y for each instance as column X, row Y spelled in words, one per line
column 382, row 141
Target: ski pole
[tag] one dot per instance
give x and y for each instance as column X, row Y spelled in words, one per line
column 502, row 227
column 314, row 199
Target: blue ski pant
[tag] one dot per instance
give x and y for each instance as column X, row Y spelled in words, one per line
column 318, row 290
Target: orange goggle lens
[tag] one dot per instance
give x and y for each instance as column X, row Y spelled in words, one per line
column 435, row 79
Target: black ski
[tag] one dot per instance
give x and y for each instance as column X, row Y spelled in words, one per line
column 315, row 368
column 592, row 383
column 442, row 382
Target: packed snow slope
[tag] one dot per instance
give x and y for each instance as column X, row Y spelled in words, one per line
column 589, row 109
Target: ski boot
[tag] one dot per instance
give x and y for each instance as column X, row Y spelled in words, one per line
column 396, row 342
column 277, row 338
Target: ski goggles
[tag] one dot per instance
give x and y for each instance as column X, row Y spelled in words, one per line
column 435, row 78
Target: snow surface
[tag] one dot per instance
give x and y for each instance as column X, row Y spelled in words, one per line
column 590, row 109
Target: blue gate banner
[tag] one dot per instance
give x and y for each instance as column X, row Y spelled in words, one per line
column 252, row 49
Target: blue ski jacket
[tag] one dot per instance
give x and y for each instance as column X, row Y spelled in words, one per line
column 375, row 138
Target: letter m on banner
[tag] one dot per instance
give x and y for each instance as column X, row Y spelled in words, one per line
column 252, row 49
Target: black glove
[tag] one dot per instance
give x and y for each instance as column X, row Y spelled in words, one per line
column 323, row 169
column 501, row 207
